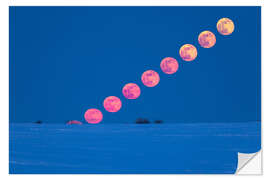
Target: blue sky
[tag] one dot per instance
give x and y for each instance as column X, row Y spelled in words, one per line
column 64, row 60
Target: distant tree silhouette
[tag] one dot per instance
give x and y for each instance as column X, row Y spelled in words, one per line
column 158, row 121
column 145, row 121
column 142, row 121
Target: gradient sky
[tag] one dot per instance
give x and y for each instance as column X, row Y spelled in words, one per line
column 64, row 60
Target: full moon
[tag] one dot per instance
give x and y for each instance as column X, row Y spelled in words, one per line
column 93, row 116
column 169, row 65
column 225, row 26
column 131, row 91
column 188, row 52
column 112, row 104
column 207, row 39
column 150, row 78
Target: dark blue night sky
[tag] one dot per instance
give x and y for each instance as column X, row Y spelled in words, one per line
column 64, row 60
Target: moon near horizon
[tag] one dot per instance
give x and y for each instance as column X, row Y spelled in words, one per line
column 93, row 116
column 225, row 26
column 169, row 65
column 131, row 91
column 74, row 122
column 112, row 104
column 207, row 39
column 188, row 52
column 150, row 78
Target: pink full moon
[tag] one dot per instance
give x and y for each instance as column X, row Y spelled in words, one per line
column 131, row 91
column 150, row 78
column 112, row 104
column 188, row 52
column 93, row 116
column 169, row 65
column 207, row 39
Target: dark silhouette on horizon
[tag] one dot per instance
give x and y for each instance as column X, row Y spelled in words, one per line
column 158, row 121
column 142, row 121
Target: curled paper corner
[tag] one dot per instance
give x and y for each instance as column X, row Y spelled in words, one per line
column 249, row 163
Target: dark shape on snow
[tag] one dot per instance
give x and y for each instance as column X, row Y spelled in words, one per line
column 158, row 122
column 142, row 121
column 74, row 122
column 38, row 122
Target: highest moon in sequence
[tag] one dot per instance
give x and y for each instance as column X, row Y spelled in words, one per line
column 225, row 26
